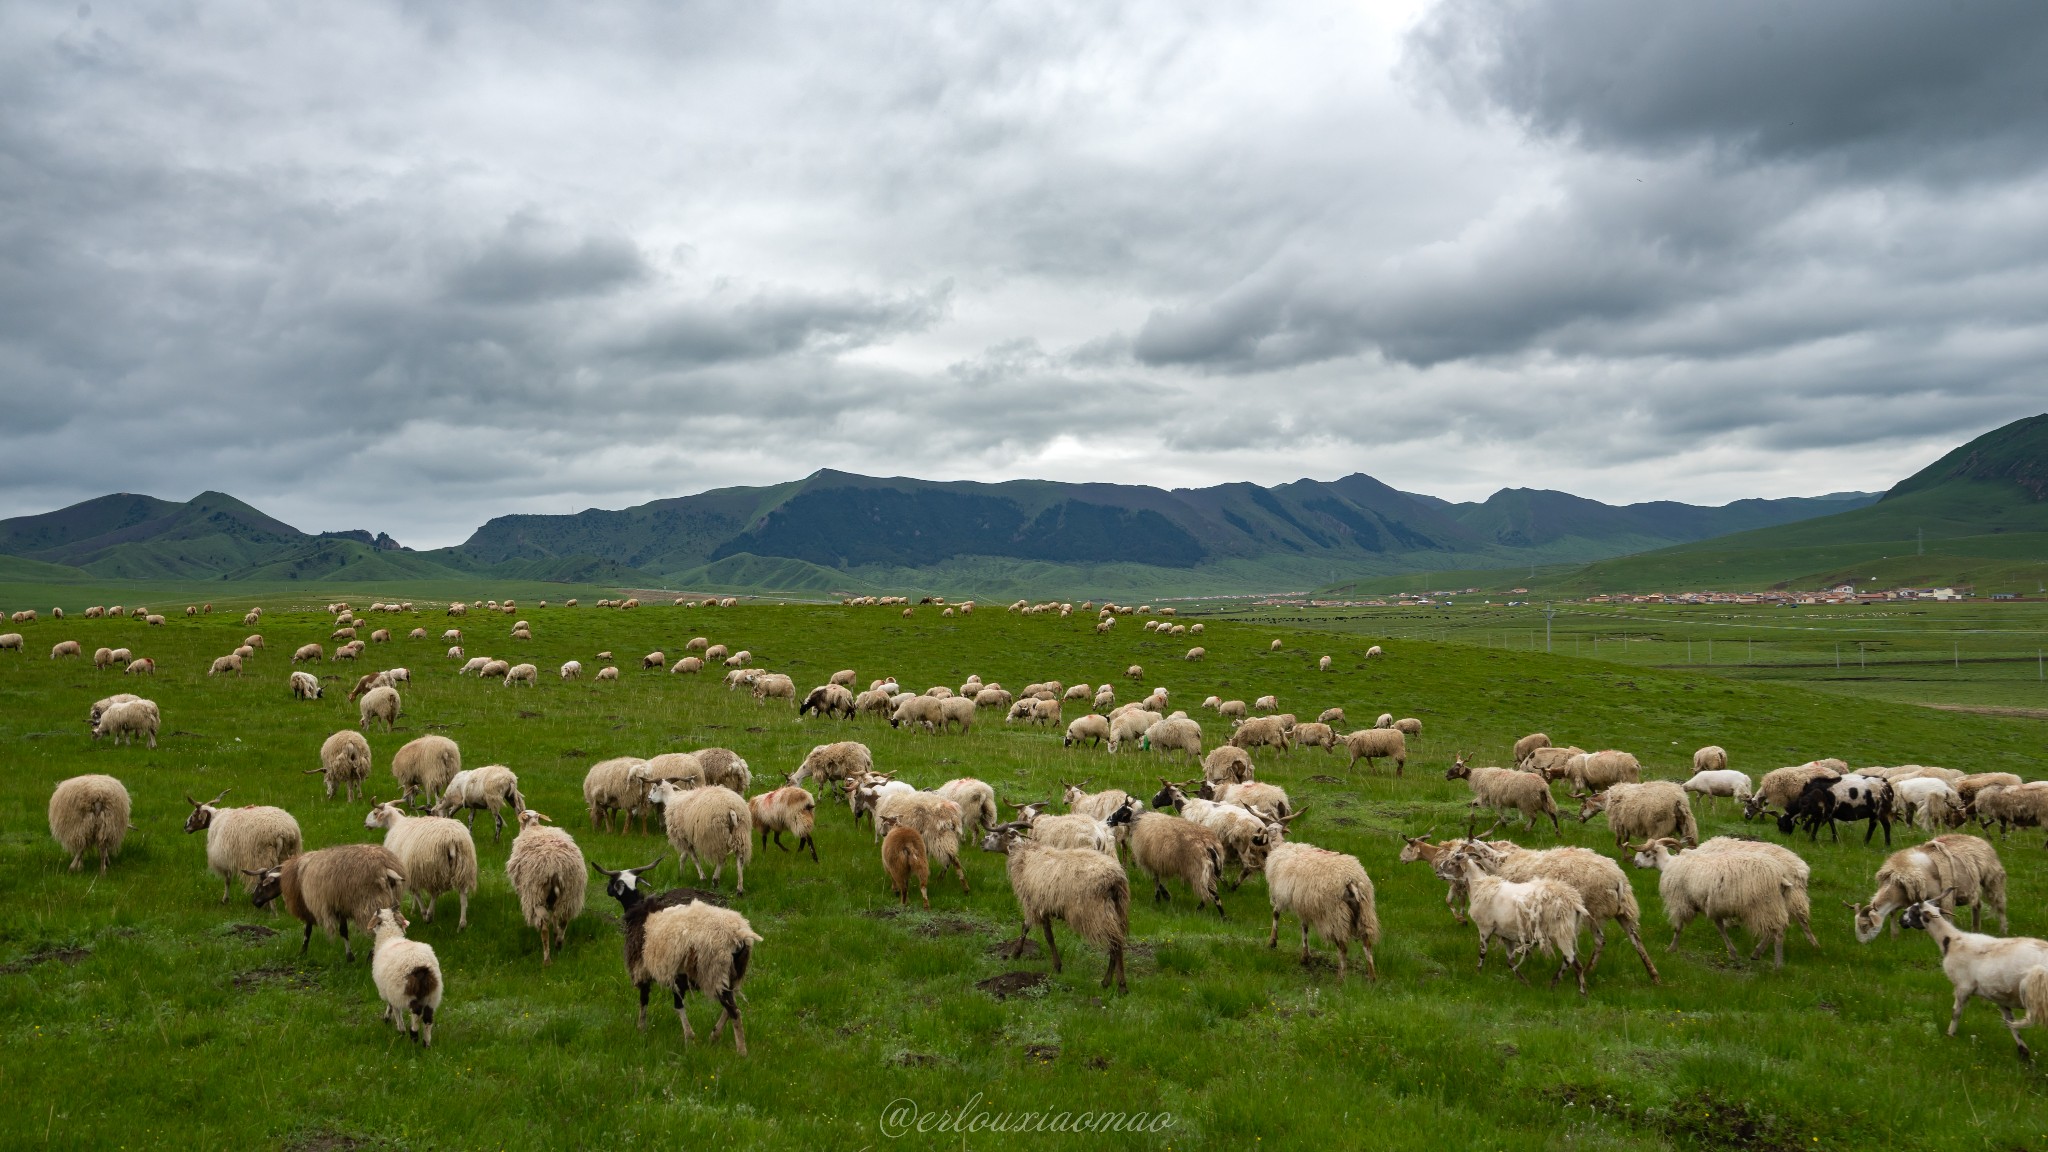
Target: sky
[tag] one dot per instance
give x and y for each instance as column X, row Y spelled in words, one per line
column 406, row 267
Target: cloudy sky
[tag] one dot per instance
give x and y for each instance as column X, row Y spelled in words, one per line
column 406, row 267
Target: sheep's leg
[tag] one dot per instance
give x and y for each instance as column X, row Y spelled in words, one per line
column 644, row 986
column 1807, row 928
column 348, row 948
column 739, row 1032
column 78, row 860
column 2014, row 1026
column 1599, row 946
column 1049, row 945
column 546, row 947
column 1636, row 939
column 308, row 941
column 1023, row 938
column 1515, row 958
column 1485, row 939
column 1721, row 926
column 462, row 921
column 807, row 838
column 924, row 892
column 1159, row 893
column 1304, row 944
column 961, row 869
column 698, row 864
column 680, row 1014
column 1273, row 937
column 1963, row 994
column 1115, row 968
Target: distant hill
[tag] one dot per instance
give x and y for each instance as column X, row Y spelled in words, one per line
column 1978, row 515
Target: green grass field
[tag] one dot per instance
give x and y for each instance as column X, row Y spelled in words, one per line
column 139, row 1012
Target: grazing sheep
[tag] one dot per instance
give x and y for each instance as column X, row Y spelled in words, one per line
column 1134, row 672
column 424, row 766
column 493, row 788
column 100, row 707
column 700, row 945
column 1505, row 790
column 617, row 786
column 937, row 818
column 1541, row 914
column 13, row 640
column 1264, row 731
column 493, row 669
column 90, row 814
column 1105, row 697
column 66, row 648
column 1172, row 735
column 127, row 720
column 380, row 704
column 1328, row 891
column 1527, row 745
column 245, row 840
column 1781, row 786
column 1195, row 654
column 687, row 666
column 903, row 858
column 723, row 767
column 1598, row 771
column 977, row 801
column 845, row 677
column 333, row 887
column 1716, row 782
column 829, row 764
column 1227, row 764
column 1273, row 647
column 1846, row 798
column 225, row 664
column 546, row 870
column 1087, row 728
column 309, row 652
column 654, row 659
column 525, row 674
column 2011, row 972
column 437, row 853
column 1970, row 785
column 1712, row 758
column 2010, row 805
column 306, row 686
column 407, row 975
column 345, row 762
column 1550, row 763
column 1370, row 744
column 1761, row 885
column 1268, row 801
column 959, row 711
column 572, row 670
column 1086, row 889
column 1643, row 811
column 1266, row 704
column 1163, row 846
column 708, row 824
column 1953, row 869
column 987, row 697
column 1232, row 710
column 1317, row 735
column 1408, row 726
column 827, row 700
column 716, row 652
column 918, row 711
column 786, row 809
column 607, row 673
column 1927, row 803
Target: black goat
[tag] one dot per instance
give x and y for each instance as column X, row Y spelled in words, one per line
column 1846, row 799
column 638, row 904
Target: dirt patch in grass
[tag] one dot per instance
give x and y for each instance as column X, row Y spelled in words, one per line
column 1322, row 779
column 250, row 932
column 68, row 957
column 324, row 1142
column 274, row 976
column 1012, row 984
column 1001, row 949
column 1042, row 1053
column 1713, row 1122
column 525, row 715
column 1992, row 710
column 573, row 754
column 913, row 1060
column 948, row 926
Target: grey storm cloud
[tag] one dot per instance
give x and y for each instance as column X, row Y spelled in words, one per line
column 408, row 268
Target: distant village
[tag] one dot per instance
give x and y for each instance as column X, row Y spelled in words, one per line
column 1839, row 594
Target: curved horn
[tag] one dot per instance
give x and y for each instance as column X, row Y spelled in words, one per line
column 649, row 866
column 602, row 869
column 1297, row 814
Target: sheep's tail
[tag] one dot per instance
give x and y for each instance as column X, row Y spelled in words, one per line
column 420, row 983
column 2034, row 997
column 554, row 893
column 1364, row 925
column 1688, row 824
column 1215, row 854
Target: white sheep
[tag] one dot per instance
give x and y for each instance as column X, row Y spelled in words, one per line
column 1952, row 869
column 1505, row 790
column 125, row 721
column 2011, row 972
column 245, row 841
column 1643, row 811
column 437, row 853
column 1763, row 886
column 90, row 814
column 344, row 761
column 493, row 788
column 1541, row 914
column 408, row 977
column 425, row 765
column 1086, row 889
column 700, row 945
column 712, row 824
column 547, row 871
column 379, row 704
column 1327, row 891
column 1717, row 782
column 305, row 686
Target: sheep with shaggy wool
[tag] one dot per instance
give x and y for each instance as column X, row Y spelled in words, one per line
column 546, row 869
column 1762, row 886
column 937, row 818
column 702, row 946
column 1373, row 744
column 1643, row 811
column 1537, row 914
column 1261, row 732
column 1328, row 892
column 407, row 975
column 424, row 766
column 615, row 788
column 977, row 801
column 1952, row 869
column 1599, row 771
column 1167, row 846
column 711, row 823
column 1086, row 729
column 437, row 853
column 1175, row 736
column 1505, row 790
column 89, row 814
column 525, row 674
column 345, row 762
column 331, row 888
column 2007, row 805
column 493, row 788
column 379, row 704
column 829, row 764
column 725, row 768
column 786, row 809
column 1781, row 786
column 125, row 721
column 1086, row 889
column 243, row 841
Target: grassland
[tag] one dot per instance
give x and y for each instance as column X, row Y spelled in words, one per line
column 139, row 1012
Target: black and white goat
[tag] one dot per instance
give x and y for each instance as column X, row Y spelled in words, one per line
column 638, row 902
column 1845, row 799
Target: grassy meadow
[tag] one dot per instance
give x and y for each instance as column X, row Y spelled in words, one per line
column 140, row 1012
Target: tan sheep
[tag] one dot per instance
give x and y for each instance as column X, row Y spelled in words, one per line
column 425, row 765
column 1644, row 811
column 90, row 814
column 437, row 853
column 546, row 869
column 1327, row 891
column 246, row 840
column 708, row 824
column 1371, row 744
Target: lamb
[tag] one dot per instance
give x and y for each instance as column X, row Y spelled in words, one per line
column 1643, row 811
column 1163, row 846
column 1715, row 782
column 379, row 704
column 1086, row 889
column 1761, row 885
column 1781, row 786
column 829, row 764
column 1542, row 914
column 615, row 787
column 225, row 664
column 245, row 840
column 309, row 652
column 1370, row 744
column 786, row 809
column 1505, row 790
column 437, row 853
column 1328, row 891
column 127, row 720
column 1598, row 771
column 708, row 824
column 572, row 670
column 425, row 766
column 90, row 814
column 1171, row 735
column 493, row 788
column 305, row 686
column 828, row 700
column 408, row 977
column 525, row 674
column 977, row 801
column 1948, row 869
column 332, row 887
column 723, row 767
column 903, row 858
column 66, row 648
column 2011, row 973
column 1085, row 729
column 700, row 945
column 937, row 818
column 1928, row 803
column 546, row 869
column 2023, row 806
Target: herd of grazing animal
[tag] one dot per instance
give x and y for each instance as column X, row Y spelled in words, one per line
column 1066, row 866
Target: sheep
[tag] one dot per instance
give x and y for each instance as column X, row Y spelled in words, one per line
column 1550, row 763
column 1781, row 786
column 708, row 824
column 831, row 763
column 1328, row 891
column 1246, row 835
column 383, row 636
column 637, row 904
column 525, row 674
column 1084, row 729
column 1761, row 885
column 493, row 669
column 90, row 814
column 1171, row 735
column 1597, row 771
column 1264, row 731
column 381, row 704
column 13, row 640
column 1195, row 653
column 2022, row 805
column 309, row 652
column 985, row 697
column 1105, row 697
column 700, row 945
column 1541, row 913
column 716, row 652
column 723, row 767
column 332, row 887
column 416, row 634
column 903, row 858
column 876, row 702
column 1163, row 846
column 977, row 801
column 1370, row 744
column 66, row 648
column 607, row 673
column 1643, row 811
column 1232, row 710
column 615, row 787
column 407, row 975
column 1273, row 647
column 786, row 809
column 546, row 870
column 425, row 766
column 956, row 710
column 937, row 818
column 864, row 793
column 1227, row 764
column 225, row 664
column 1527, row 745
column 1374, row 653
column 572, row 670
column 739, row 659
column 1949, row 869
column 1505, row 790
column 306, row 686
column 776, row 686
column 245, row 653
column 101, row 657
column 1079, row 692
column 918, row 711
column 1715, row 782
column 1317, row 735
column 127, row 720
column 493, row 788
column 845, row 677
column 1970, row 785
column 344, row 761
column 1408, row 726
column 2010, row 973
column 654, row 659
column 827, row 700
column 1268, row 801
column 1266, row 704
column 1084, row 888
column 246, row 840
column 437, row 853
column 1134, row 672
column 1712, row 758
column 1928, row 803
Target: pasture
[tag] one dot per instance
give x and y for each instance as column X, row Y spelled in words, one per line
column 138, row 1011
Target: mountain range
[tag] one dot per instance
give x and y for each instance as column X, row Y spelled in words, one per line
column 838, row 532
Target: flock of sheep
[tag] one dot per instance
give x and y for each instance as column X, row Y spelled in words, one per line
column 1064, row 865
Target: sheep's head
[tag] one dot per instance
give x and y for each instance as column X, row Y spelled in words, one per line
column 1653, row 853
column 202, row 812
column 1418, row 848
column 624, row 884
column 1869, row 921
column 390, row 919
column 384, row 815
column 1168, row 796
column 1458, row 770
column 531, row 819
column 269, row 885
column 1926, row 912
column 1590, row 803
column 1002, row 837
